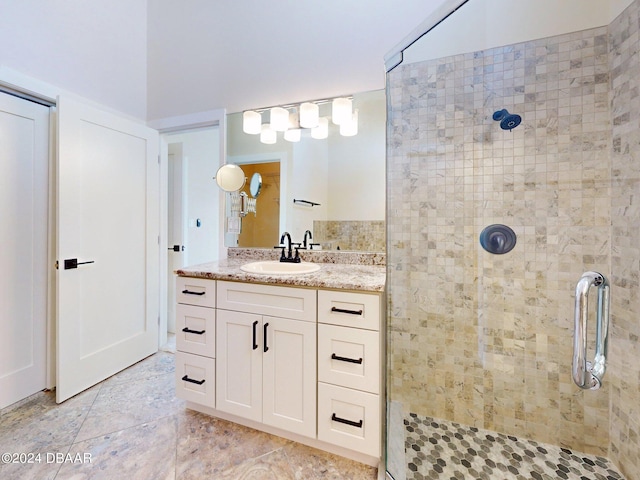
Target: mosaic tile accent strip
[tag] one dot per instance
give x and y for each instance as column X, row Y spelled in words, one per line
column 437, row 449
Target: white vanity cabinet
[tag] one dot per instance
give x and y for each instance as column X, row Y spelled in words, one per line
column 302, row 363
column 266, row 366
column 195, row 340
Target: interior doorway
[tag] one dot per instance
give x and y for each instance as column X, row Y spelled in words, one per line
column 193, row 204
column 262, row 228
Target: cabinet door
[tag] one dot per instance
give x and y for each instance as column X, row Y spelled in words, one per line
column 289, row 375
column 239, row 365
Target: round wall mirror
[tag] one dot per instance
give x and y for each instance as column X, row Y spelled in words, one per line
column 255, row 185
column 230, row 177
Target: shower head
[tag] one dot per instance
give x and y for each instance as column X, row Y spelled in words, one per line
column 508, row 121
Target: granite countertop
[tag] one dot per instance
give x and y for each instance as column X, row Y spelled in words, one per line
column 360, row 273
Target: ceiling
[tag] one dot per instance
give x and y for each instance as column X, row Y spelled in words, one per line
column 240, row 54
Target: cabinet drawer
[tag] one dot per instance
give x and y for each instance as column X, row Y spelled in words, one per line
column 349, row 357
column 286, row 302
column 201, row 371
column 349, row 418
column 196, row 291
column 358, row 310
column 196, row 330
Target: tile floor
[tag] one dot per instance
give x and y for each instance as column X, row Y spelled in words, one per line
column 437, row 449
column 132, row 426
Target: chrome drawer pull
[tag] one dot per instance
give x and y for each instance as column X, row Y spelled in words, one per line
column 345, row 359
column 345, row 421
column 197, row 332
column 351, row 312
column 197, row 382
column 189, row 292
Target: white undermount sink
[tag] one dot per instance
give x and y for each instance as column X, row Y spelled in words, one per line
column 273, row 267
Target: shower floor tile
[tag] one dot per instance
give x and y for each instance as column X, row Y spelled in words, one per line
column 436, row 449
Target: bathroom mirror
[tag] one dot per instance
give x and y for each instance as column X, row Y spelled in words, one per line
column 230, row 178
column 255, row 185
column 344, row 175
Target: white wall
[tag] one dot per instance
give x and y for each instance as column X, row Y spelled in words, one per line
column 249, row 54
column 484, row 24
column 308, row 180
column 97, row 50
column 357, row 168
column 200, row 153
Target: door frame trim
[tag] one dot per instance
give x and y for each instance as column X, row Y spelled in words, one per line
column 182, row 123
column 30, row 89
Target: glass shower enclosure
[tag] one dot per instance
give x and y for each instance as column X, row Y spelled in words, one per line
column 480, row 342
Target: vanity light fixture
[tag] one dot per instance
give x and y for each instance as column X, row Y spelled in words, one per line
column 293, row 133
column 322, row 130
column 267, row 135
column 251, row 122
column 292, row 118
column 341, row 110
column 309, row 115
column 279, row 119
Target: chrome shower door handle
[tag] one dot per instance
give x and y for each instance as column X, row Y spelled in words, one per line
column 588, row 375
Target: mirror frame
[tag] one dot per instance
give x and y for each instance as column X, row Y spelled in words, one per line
column 255, row 185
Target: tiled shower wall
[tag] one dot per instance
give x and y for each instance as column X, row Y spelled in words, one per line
column 486, row 340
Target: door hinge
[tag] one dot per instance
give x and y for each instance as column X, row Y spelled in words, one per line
column 57, row 264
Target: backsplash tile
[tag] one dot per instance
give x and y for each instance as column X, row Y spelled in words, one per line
column 355, row 235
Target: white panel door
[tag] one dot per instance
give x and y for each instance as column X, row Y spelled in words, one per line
column 289, row 375
column 108, row 214
column 239, row 364
column 24, row 144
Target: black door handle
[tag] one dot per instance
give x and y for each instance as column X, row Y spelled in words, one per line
column 197, row 332
column 265, row 337
column 345, row 359
column 351, row 312
column 197, row 382
column 255, row 341
column 70, row 263
column 177, row 248
column 335, row 418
